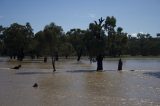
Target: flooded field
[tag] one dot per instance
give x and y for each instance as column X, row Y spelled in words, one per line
column 78, row 84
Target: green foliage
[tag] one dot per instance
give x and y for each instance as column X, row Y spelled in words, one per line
column 117, row 40
column 101, row 38
column 52, row 34
column 66, row 49
column 75, row 37
column 95, row 39
column 17, row 38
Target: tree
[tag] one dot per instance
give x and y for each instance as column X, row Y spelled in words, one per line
column 110, row 24
column 16, row 39
column 1, row 39
column 52, row 33
column 133, row 47
column 75, row 37
column 144, row 40
column 66, row 49
column 41, row 48
column 117, row 39
column 158, row 35
column 95, row 41
column 120, row 41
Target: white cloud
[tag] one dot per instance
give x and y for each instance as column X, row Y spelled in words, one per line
column 134, row 35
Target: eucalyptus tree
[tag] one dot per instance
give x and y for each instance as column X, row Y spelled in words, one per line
column 52, row 33
column 75, row 37
column 41, row 48
column 17, row 38
column 110, row 24
column 95, row 41
column 66, row 49
column 121, row 41
column 117, row 39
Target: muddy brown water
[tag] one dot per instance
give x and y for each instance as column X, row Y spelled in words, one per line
column 78, row 84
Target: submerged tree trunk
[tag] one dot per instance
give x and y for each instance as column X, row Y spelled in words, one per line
column 120, row 64
column 45, row 59
column 66, row 56
column 56, row 56
column 79, row 57
column 99, row 63
column 53, row 64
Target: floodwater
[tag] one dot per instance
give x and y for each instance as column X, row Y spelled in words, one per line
column 78, row 84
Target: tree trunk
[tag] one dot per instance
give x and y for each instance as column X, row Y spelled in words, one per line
column 99, row 63
column 79, row 57
column 56, row 56
column 120, row 64
column 53, row 64
column 45, row 59
column 66, row 56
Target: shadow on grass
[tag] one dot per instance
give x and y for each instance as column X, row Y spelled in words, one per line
column 32, row 73
column 154, row 74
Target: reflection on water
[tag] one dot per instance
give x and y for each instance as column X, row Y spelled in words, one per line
column 78, row 84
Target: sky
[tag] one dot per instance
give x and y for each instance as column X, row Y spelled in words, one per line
column 132, row 15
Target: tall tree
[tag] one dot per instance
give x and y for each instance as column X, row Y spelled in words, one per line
column 16, row 39
column 52, row 32
column 96, row 42
column 120, row 41
column 41, row 47
column 75, row 37
column 110, row 24
column 117, row 39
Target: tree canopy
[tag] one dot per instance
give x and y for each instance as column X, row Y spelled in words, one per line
column 102, row 37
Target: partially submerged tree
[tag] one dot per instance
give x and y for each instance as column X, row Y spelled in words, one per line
column 95, row 41
column 52, row 33
column 75, row 37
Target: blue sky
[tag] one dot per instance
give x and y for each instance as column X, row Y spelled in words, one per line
column 132, row 15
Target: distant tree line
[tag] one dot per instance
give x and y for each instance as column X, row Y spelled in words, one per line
column 102, row 38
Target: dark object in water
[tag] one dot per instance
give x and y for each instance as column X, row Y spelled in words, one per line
column 16, row 67
column 45, row 59
column 35, row 85
column 120, row 64
column 132, row 70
